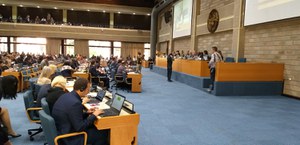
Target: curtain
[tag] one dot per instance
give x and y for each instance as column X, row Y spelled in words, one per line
column 131, row 49
column 81, row 47
column 53, row 46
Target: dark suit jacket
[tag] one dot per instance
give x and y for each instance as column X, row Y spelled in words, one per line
column 94, row 71
column 169, row 62
column 69, row 117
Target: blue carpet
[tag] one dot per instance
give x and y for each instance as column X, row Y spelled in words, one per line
column 173, row 113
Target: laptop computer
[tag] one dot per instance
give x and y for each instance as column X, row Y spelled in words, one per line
column 116, row 106
column 98, row 98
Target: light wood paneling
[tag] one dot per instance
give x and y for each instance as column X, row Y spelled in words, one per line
column 53, row 46
column 191, row 67
column 81, row 47
column 249, row 72
column 123, row 129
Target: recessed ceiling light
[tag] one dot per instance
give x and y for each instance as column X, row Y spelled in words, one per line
column 148, row 14
column 133, row 13
column 103, row 11
column 21, row 5
column 88, row 10
column 72, row 9
column 38, row 6
column 3, row 4
column 119, row 12
column 55, row 7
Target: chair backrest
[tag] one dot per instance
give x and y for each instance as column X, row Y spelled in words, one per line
column 229, row 59
column 48, row 125
column 119, row 78
column 113, row 73
column 24, row 72
column 45, row 106
column 35, row 69
column 9, row 86
column 28, row 99
column 242, row 60
column 37, row 88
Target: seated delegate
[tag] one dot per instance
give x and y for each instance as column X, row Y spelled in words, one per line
column 69, row 116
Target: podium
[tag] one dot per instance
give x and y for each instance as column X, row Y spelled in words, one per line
column 123, row 128
column 136, row 85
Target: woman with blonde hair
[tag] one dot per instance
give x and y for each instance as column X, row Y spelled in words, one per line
column 44, row 77
column 58, row 88
column 53, row 71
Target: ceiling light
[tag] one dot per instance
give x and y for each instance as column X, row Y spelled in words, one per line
column 21, row 5
column 72, row 9
column 119, row 12
column 148, row 14
column 133, row 13
column 55, row 7
column 38, row 6
column 103, row 11
column 3, row 4
column 88, row 10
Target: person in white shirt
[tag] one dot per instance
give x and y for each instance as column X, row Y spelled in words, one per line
column 215, row 58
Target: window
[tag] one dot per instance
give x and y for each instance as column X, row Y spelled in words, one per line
column 147, row 51
column 69, row 46
column 29, row 45
column 117, row 49
column 99, row 48
column 3, row 44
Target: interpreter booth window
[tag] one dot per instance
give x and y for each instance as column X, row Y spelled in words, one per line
column 99, row 48
column 30, row 45
column 117, row 49
column 147, row 51
column 3, row 44
column 69, row 46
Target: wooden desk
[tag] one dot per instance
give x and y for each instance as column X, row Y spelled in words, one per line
column 123, row 128
column 191, row 67
column 145, row 64
column 17, row 75
column 249, row 72
column 136, row 85
column 81, row 75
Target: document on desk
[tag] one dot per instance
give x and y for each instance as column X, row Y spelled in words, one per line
column 101, row 105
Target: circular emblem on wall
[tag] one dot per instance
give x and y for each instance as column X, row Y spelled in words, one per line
column 213, row 21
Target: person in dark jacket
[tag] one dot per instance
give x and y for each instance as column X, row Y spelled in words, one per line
column 96, row 71
column 69, row 116
column 58, row 88
column 169, row 66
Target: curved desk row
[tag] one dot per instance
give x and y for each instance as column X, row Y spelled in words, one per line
column 242, row 79
column 191, row 67
column 232, row 79
column 194, row 73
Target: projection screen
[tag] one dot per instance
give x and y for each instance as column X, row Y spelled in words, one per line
column 261, row 11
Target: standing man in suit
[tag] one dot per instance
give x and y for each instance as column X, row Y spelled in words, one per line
column 139, row 62
column 169, row 66
column 68, row 113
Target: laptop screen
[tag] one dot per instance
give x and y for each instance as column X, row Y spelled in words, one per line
column 100, row 95
column 118, row 101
